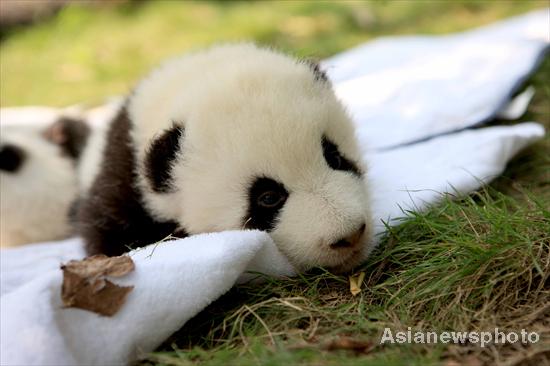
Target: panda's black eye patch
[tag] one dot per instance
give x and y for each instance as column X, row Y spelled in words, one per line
column 11, row 158
column 266, row 197
column 335, row 160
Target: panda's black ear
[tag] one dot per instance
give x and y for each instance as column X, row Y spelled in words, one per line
column 70, row 134
column 11, row 158
column 160, row 157
column 319, row 74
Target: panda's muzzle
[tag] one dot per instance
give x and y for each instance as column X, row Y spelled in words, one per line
column 350, row 241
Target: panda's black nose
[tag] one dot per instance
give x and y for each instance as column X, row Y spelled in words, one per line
column 350, row 241
column 11, row 158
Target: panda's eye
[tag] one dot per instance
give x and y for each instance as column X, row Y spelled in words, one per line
column 266, row 197
column 271, row 199
column 335, row 160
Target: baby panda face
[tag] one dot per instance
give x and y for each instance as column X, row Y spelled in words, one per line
column 297, row 176
column 264, row 146
column 37, row 183
column 318, row 217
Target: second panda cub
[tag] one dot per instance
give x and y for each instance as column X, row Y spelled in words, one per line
column 229, row 138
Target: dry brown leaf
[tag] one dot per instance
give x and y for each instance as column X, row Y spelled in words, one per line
column 355, row 283
column 347, row 343
column 85, row 285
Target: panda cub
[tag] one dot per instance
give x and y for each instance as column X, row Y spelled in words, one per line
column 233, row 137
column 38, row 178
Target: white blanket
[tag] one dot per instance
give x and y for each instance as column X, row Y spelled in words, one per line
column 404, row 89
column 399, row 90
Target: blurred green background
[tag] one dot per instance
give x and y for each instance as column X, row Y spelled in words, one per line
column 88, row 50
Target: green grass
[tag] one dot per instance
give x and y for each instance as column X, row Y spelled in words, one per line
column 472, row 263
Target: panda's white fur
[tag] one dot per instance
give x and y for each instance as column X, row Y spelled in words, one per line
column 36, row 197
column 249, row 112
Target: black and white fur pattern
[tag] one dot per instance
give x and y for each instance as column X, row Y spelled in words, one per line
column 38, row 178
column 233, row 137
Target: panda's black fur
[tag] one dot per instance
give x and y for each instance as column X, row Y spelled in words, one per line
column 12, row 158
column 111, row 217
column 70, row 134
column 161, row 155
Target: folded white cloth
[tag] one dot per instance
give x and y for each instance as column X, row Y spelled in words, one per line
column 403, row 89
column 399, row 90
column 173, row 282
column 415, row 176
